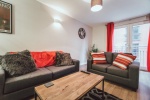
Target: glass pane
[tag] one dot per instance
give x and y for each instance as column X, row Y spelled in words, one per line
column 139, row 43
column 120, row 40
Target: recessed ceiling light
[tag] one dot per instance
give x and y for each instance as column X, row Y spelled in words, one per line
column 88, row 1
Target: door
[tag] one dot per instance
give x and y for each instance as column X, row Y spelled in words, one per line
column 133, row 38
column 139, row 43
column 120, row 40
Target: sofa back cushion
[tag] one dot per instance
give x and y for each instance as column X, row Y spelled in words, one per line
column 109, row 56
column 114, row 56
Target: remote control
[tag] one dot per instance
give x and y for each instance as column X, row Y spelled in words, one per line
column 48, row 84
column 85, row 72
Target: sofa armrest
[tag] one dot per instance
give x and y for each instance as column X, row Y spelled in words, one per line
column 134, row 73
column 134, row 70
column 2, row 80
column 76, row 63
column 89, row 64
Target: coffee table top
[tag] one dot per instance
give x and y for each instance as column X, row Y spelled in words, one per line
column 70, row 87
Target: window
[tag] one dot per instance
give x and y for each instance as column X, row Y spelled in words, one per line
column 120, row 34
column 133, row 38
column 135, row 33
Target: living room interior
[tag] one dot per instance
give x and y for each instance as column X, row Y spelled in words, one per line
column 69, row 26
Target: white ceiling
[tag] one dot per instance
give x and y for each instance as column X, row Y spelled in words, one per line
column 113, row 10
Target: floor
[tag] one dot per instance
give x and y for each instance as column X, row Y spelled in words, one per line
column 143, row 93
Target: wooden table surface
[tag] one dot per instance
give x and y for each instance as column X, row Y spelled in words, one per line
column 70, row 87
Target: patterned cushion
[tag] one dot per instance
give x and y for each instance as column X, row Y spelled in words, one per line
column 123, row 60
column 0, row 59
column 63, row 59
column 58, row 58
column 99, row 58
column 18, row 64
column 66, row 59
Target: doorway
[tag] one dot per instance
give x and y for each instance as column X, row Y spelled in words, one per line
column 133, row 38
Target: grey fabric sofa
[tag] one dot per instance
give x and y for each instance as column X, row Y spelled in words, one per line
column 18, row 88
column 129, row 77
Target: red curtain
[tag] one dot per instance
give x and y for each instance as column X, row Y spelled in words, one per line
column 148, row 53
column 110, row 32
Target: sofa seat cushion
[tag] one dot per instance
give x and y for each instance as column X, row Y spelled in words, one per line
column 61, row 70
column 100, row 67
column 117, row 71
column 37, row 77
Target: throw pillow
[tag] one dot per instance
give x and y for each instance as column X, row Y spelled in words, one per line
column 99, row 58
column 18, row 64
column 0, row 59
column 58, row 58
column 66, row 59
column 123, row 60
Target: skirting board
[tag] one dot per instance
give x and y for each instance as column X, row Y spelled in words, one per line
column 83, row 63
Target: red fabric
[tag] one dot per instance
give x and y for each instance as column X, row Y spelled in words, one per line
column 12, row 52
column 148, row 53
column 43, row 59
column 110, row 33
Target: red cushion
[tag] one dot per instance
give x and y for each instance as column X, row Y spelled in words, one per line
column 99, row 58
column 43, row 59
column 123, row 60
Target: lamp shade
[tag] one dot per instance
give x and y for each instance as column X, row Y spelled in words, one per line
column 96, row 5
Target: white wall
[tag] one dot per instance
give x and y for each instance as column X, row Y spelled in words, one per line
column 99, row 37
column 33, row 29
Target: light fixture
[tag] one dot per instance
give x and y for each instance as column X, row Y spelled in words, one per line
column 96, row 5
column 56, row 20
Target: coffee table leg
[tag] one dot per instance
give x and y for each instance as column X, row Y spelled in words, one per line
column 103, row 87
column 35, row 95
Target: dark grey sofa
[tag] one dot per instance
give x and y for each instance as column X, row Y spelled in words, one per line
column 20, row 87
column 129, row 77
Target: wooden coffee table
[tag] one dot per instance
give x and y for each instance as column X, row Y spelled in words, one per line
column 70, row 87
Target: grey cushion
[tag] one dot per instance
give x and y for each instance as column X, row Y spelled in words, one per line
column 58, row 58
column 100, row 67
column 61, row 71
column 63, row 59
column 2, row 80
column 66, row 59
column 0, row 59
column 108, row 56
column 114, row 56
column 117, row 71
column 24, row 81
column 18, row 63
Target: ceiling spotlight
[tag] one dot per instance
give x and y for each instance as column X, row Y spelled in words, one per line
column 56, row 20
column 96, row 5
